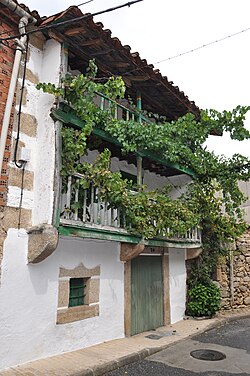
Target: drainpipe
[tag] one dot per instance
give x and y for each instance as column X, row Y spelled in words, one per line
column 25, row 19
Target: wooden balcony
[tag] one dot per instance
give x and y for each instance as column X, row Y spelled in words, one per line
column 83, row 214
column 83, row 209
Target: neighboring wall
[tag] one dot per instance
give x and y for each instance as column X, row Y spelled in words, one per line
column 234, row 276
column 6, row 63
column 234, row 273
column 234, row 281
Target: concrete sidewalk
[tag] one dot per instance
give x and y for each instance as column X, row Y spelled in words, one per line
column 100, row 359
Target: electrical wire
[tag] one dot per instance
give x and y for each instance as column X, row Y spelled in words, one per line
column 70, row 21
column 20, row 165
column 86, row 2
column 115, row 8
column 203, row 46
column 192, row 50
column 8, row 31
column 21, row 196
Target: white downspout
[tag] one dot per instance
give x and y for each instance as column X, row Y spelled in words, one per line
column 18, row 55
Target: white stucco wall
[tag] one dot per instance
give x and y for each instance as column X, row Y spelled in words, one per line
column 177, row 284
column 150, row 179
column 245, row 188
column 29, row 294
column 45, row 156
column 45, row 65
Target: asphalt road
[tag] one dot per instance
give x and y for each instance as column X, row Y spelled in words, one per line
column 231, row 339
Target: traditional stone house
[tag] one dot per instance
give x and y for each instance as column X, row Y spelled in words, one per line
column 75, row 281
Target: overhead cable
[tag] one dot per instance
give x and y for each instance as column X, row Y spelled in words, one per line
column 86, row 2
column 190, row 51
column 42, row 28
column 203, row 46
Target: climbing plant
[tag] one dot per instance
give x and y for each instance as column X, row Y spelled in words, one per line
column 212, row 200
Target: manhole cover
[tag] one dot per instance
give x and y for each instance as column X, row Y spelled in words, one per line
column 153, row 336
column 206, row 354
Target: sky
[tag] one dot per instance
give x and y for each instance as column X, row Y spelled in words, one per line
column 217, row 76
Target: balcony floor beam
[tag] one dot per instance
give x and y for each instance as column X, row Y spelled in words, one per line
column 123, row 236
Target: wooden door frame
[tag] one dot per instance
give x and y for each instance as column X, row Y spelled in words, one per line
column 127, row 292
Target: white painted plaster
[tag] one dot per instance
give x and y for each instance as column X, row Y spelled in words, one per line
column 245, row 188
column 117, row 165
column 178, row 183
column 45, row 156
column 14, row 195
column 177, row 284
column 46, row 65
column 150, row 179
column 29, row 295
column 34, row 63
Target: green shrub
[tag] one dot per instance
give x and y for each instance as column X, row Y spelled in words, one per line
column 203, row 300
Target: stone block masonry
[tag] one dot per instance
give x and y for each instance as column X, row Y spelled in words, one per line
column 235, row 285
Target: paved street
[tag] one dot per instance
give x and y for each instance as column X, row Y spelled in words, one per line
column 177, row 340
column 231, row 339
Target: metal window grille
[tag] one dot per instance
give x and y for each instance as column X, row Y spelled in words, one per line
column 76, row 293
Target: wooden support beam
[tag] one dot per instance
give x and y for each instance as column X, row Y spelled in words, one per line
column 139, row 171
column 138, row 157
column 76, row 30
column 139, row 78
column 102, row 52
column 120, row 64
column 91, row 42
column 55, row 36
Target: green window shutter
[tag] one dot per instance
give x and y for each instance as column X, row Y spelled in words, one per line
column 76, row 292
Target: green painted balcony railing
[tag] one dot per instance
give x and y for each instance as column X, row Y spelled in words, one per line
column 119, row 110
column 81, row 206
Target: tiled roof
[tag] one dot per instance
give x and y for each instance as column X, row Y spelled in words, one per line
column 87, row 39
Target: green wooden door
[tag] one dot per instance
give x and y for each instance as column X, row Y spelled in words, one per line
column 146, row 294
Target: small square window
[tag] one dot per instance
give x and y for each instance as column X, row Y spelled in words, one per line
column 77, row 291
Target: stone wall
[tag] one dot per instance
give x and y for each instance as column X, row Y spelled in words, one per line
column 234, row 276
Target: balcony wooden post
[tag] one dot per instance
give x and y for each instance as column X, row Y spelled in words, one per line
column 138, row 157
column 139, row 105
column 139, row 171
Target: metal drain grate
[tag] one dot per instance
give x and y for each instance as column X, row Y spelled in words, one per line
column 205, row 354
